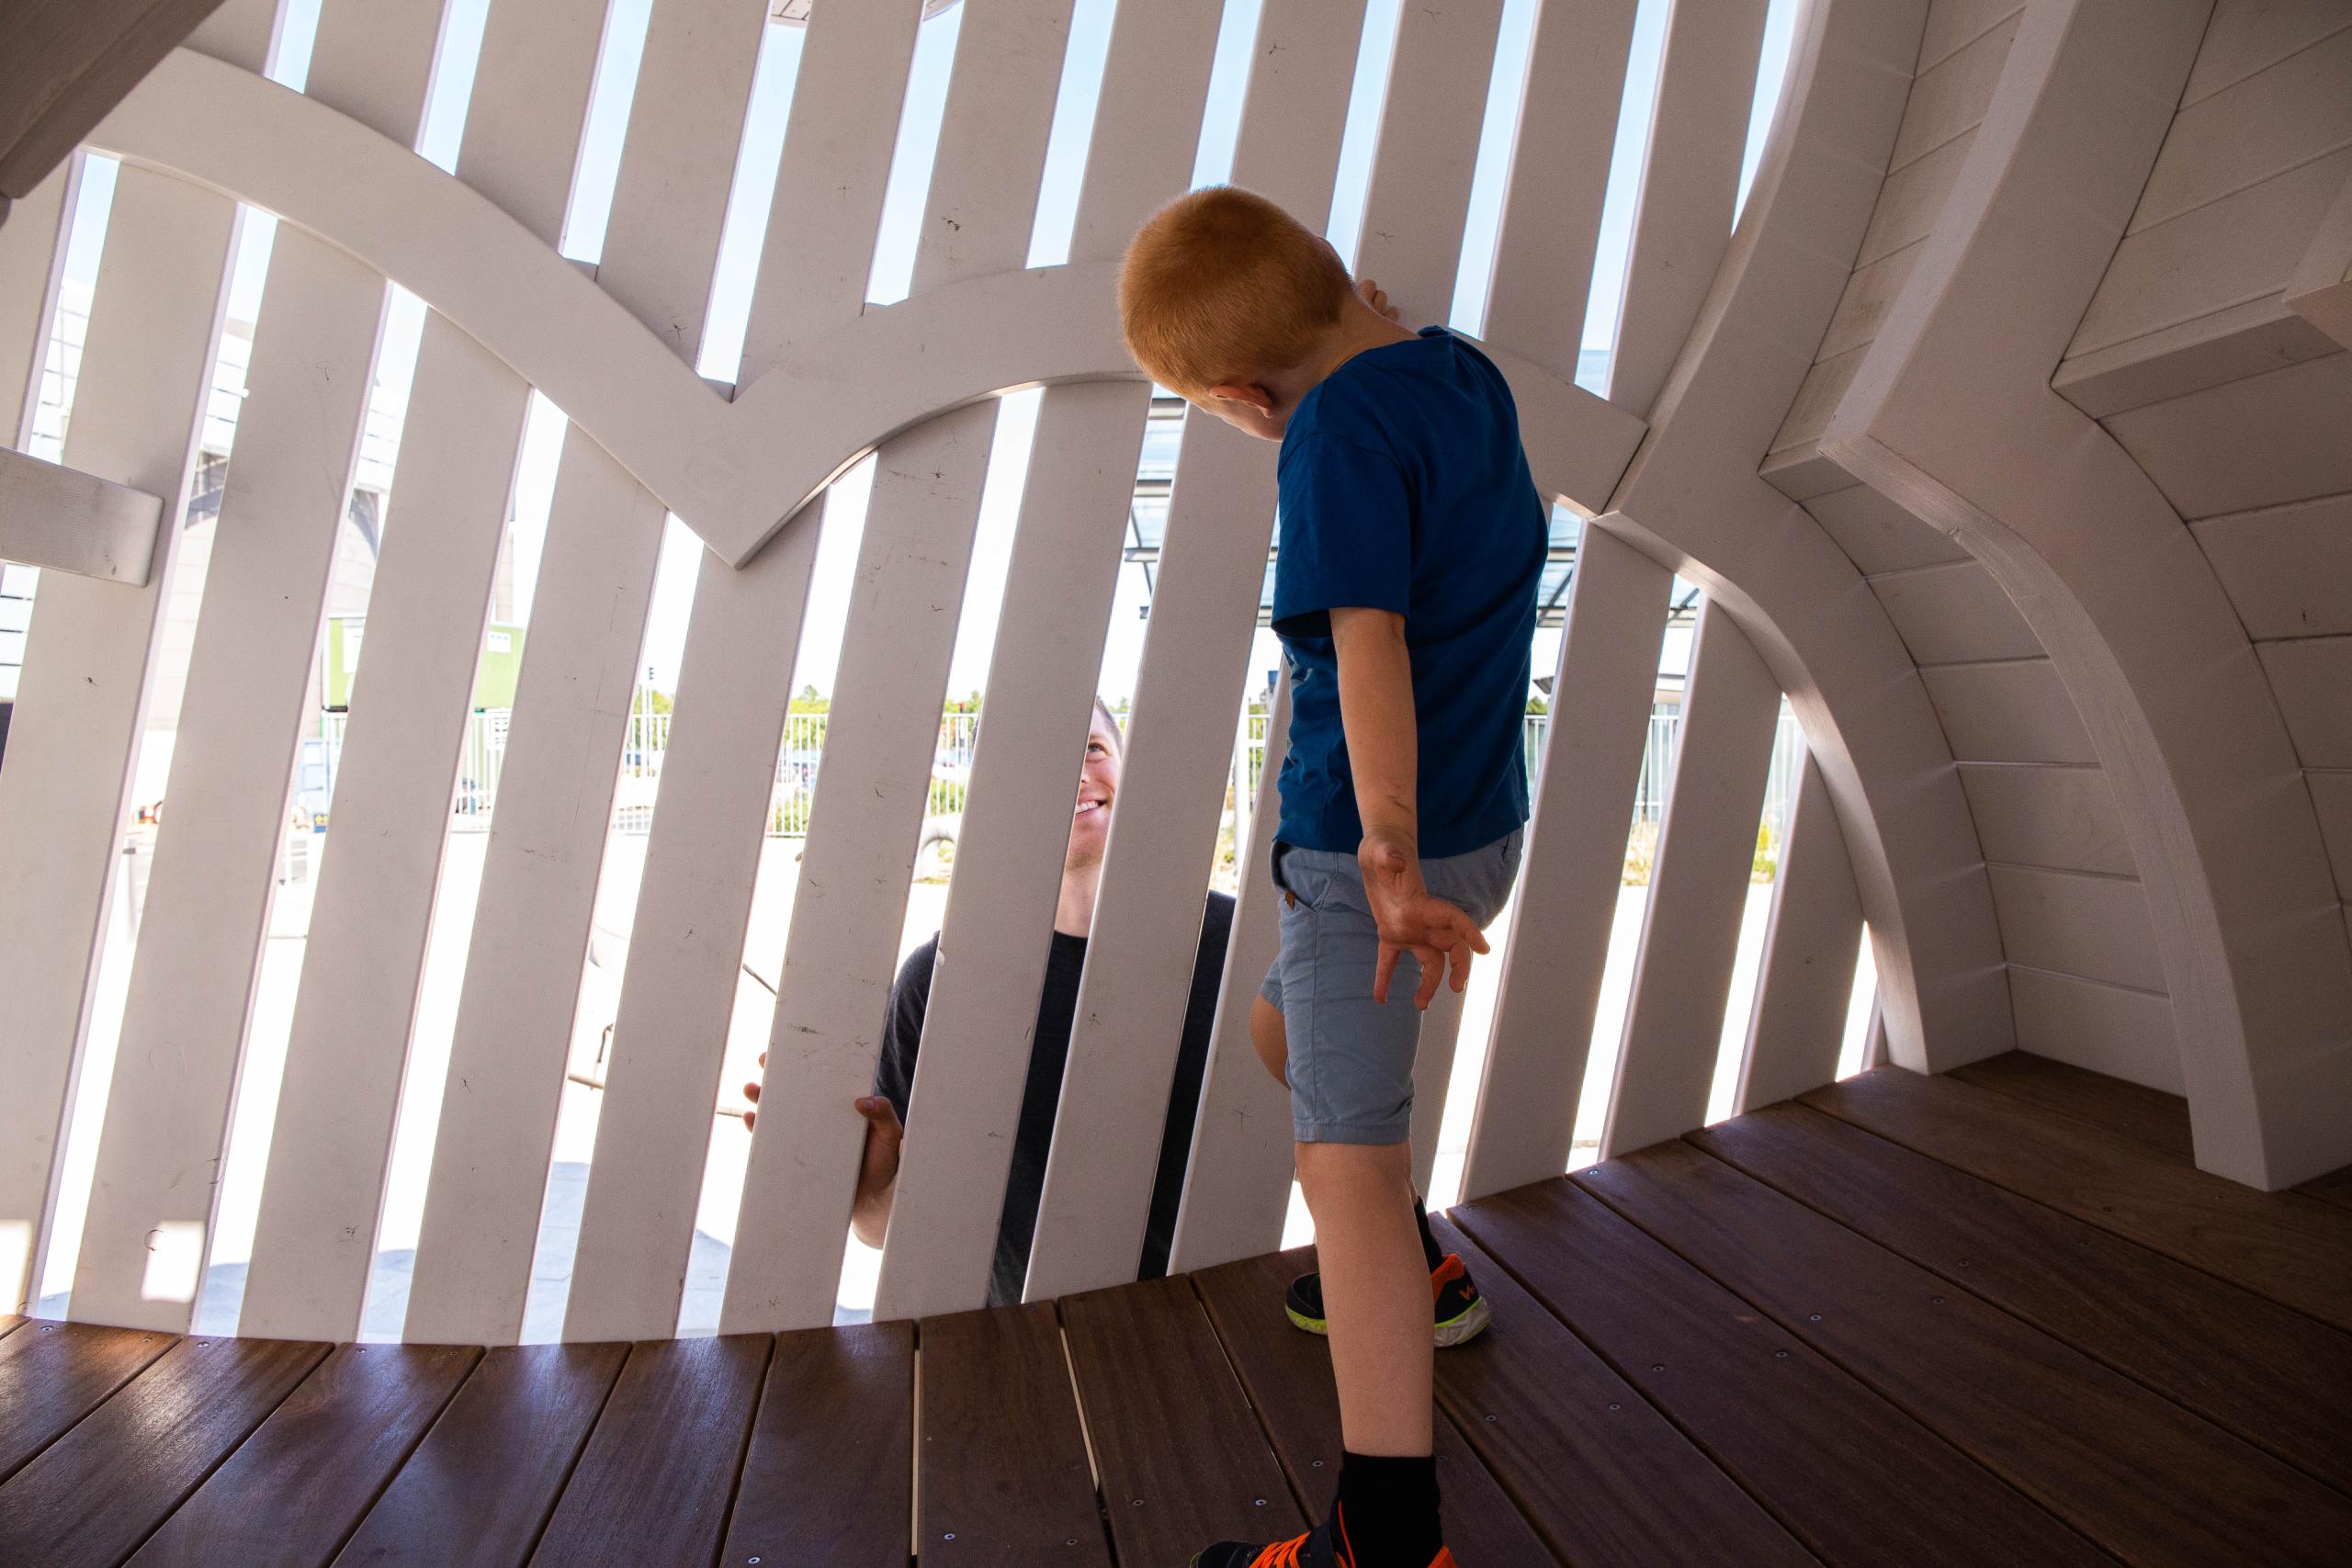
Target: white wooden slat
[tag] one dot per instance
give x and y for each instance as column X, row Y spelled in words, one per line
column 1706, row 848
column 61, row 519
column 2285, row 116
column 1433, row 1075
column 1155, row 82
column 1949, row 98
column 76, row 726
column 1429, row 146
column 2246, row 35
column 1910, row 200
column 2101, row 1028
column 841, row 949
column 372, row 912
column 1237, row 1188
column 32, row 259
column 2288, row 570
column 1682, row 222
column 703, row 854
column 2311, row 676
column 547, row 845
column 242, row 32
column 1876, row 534
column 1572, row 866
column 1954, row 613
column 1807, row 978
column 209, row 895
column 1559, row 173
column 2195, row 447
column 1953, row 24
column 1296, row 105
column 2015, row 711
column 2076, row 924
column 529, row 106
column 2030, row 814
column 998, row 927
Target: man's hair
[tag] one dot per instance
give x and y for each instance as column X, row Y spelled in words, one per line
column 1111, row 722
column 1221, row 286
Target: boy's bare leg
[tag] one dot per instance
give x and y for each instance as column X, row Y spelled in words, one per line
column 1270, row 1038
column 1375, row 1292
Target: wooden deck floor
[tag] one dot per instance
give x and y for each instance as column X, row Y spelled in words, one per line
column 1994, row 1318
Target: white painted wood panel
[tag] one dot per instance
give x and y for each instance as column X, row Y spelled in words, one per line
column 2045, row 814
column 693, row 897
column 1949, row 98
column 1295, row 105
column 2320, row 288
column 1805, row 981
column 2313, row 677
column 210, row 893
column 155, row 318
column 2248, row 35
column 998, row 923
column 2332, row 795
column 2014, row 712
column 2259, row 335
column 32, row 257
column 372, row 911
column 2201, row 448
column 1428, row 145
column 1877, row 535
column 1816, row 400
column 2288, row 569
column 529, row 107
column 1559, row 173
column 1572, row 865
column 61, row 519
column 1433, row 1075
column 1706, row 849
column 2283, row 117
column 2238, row 248
column 1954, row 613
column 1237, row 1190
column 1953, row 24
column 242, row 32
column 1682, row 222
column 2102, row 1028
column 2075, row 923
column 1910, row 200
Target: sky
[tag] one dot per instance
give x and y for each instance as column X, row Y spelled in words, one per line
column 1076, row 105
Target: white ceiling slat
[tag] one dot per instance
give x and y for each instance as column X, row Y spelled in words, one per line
column 2093, row 927
column 1805, row 980
column 546, row 842
column 2039, row 814
column 1706, row 848
column 193, row 977
column 1572, row 867
column 32, row 261
column 1419, row 199
column 872, row 783
column 74, row 732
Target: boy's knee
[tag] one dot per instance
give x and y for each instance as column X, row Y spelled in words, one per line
column 1270, row 1038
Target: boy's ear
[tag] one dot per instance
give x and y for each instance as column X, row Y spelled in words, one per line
column 1247, row 393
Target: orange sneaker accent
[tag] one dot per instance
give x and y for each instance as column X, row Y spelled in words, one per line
column 1281, row 1554
column 1451, row 1267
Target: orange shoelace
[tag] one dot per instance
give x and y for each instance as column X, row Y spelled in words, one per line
column 1281, row 1554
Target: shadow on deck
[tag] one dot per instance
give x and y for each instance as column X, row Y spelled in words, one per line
column 1994, row 1317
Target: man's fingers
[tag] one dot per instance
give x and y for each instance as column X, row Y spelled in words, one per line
column 751, row 1092
column 1380, row 975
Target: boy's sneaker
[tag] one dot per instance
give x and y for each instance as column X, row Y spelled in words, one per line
column 1322, row 1547
column 1460, row 1311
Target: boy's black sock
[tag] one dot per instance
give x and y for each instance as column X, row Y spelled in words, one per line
column 1388, row 1510
column 1430, row 1249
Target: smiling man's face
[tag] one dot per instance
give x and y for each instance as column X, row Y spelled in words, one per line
column 1098, row 783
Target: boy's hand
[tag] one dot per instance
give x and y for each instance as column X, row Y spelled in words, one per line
column 1413, row 920
column 1374, row 297
column 884, row 1137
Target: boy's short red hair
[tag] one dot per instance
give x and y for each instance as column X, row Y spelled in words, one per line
column 1221, row 286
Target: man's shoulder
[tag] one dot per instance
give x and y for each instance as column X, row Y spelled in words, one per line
column 914, row 970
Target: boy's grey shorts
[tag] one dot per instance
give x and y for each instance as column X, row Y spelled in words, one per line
column 1350, row 1058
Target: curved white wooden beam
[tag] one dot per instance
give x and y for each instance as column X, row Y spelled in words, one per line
column 734, row 471
column 1951, row 415
column 1693, row 501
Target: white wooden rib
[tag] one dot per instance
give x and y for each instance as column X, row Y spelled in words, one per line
column 1432, row 1077
column 547, row 842
column 1130, row 1009
column 61, row 519
column 1572, row 867
column 209, row 897
column 315, row 1237
column 1816, row 935
column 32, row 259
column 999, row 917
column 1236, row 1188
column 1429, row 146
column 703, row 854
column 1682, row 223
column 1559, row 173
column 841, row 949
column 153, row 320
column 1706, row 849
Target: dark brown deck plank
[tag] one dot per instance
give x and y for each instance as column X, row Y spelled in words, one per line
column 1288, row 1376
column 2264, row 1372
column 2128, row 1110
column 655, row 1480
column 1853, row 1477
column 831, row 1460
column 1184, row 1460
column 293, row 1491
column 10, row 1323
column 2334, row 1188
column 1605, row 1479
column 2282, row 1245
column 2138, row 1473
column 480, row 1487
column 1004, row 1474
column 98, row 1491
column 55, row 1373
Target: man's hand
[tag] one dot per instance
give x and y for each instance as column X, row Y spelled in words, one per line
column 877, row 1171
column 1413, row 920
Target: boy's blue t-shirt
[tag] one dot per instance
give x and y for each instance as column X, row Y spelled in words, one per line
column 1404, row 487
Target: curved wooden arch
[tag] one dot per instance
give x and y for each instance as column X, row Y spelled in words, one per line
column 1951, row 415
